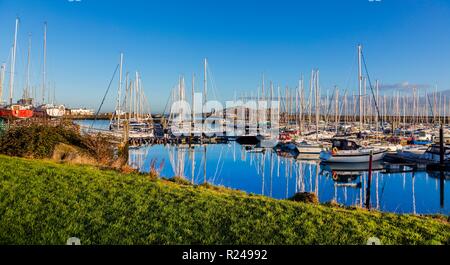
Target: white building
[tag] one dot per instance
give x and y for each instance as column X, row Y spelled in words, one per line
column 82, row 112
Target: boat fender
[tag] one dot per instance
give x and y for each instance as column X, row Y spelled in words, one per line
column 335, row 176
column 334, row 151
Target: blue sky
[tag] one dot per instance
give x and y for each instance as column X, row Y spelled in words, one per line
column 404, row 41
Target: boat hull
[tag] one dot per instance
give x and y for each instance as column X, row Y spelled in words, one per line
column 351, row 157
column 308, row 151
column 55, row 112
column 16, row 113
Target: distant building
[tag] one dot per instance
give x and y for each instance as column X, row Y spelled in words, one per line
column 82, row 112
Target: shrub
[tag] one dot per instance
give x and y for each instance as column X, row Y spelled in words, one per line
column 39, row 141
column 36, row 140
column 180, row 180
column 307, row 197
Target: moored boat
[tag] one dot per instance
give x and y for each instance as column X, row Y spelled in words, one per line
column 346, row 151
column 16, row 111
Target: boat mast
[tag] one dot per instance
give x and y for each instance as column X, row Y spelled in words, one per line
column 336, row 109
column 360, row 87
column 45, row 63
column 2, row 79
column 302, row 95
column 192, row 108
column 271, row 109
column 27, row 85
column 13, row 63
column 136, row 99
column 119, row 92
column 205, row 90
column 377, row 91
column 205, row 82
column 317, row 104
column 310, row 99
column 130, row 99
column 364, row 100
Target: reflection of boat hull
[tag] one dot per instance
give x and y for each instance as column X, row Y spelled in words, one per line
column 308, row 156
column 248, row 139
column 352, row 156
column 356, row 167
column 437, row 174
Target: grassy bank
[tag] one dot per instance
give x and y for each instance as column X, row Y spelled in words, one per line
column 43, row 202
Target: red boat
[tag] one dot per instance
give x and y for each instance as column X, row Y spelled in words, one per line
column 16, row 111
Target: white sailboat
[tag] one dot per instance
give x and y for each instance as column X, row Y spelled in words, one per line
column 139, row 121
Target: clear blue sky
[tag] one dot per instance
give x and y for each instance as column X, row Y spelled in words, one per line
column 404, row 41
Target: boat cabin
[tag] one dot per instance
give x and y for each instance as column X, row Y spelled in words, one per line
column 435, row 150
column 344, row 144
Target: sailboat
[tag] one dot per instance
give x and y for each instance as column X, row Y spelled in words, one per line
column 311, row 149
column 257, row 132
column 139, row 124
column 348, row 151
column 21, row 110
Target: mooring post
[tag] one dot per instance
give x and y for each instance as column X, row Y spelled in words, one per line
column 369, row 181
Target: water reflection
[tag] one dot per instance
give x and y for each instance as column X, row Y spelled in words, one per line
column 281, row 175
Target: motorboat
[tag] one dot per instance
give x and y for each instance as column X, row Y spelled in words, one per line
column 347, row 151
column 308, row 150
column 430, row 155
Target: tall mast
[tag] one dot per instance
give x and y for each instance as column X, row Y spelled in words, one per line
column 336, row 108
column 364, row 100
column 130, row 99
column 205, row 90
column 136, row 93
column 310, row 98
column 119, row 92
column 13, row 63
column 45, row 63
column 262, row 88
column 302, row 95
column 377, row 91
column 205, row 82
column 27, row 92
column 271, row 108
column 360, row 87
column 317, row 105
column 193, row 114
column 2, row 79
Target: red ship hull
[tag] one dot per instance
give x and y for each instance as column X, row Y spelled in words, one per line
column 16, row 113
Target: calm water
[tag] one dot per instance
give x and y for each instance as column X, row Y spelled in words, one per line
column 231, row 165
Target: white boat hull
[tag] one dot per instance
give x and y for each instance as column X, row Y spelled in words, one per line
column 352, row 156
column 56, row 111
column 312, row 150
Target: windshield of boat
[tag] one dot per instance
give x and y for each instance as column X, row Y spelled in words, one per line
column 345, row 144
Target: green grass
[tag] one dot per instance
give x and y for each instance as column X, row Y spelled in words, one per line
column 43, row 202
